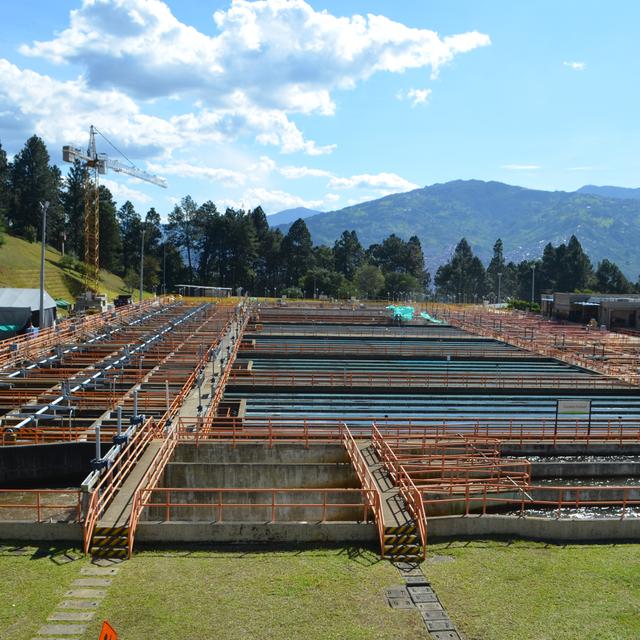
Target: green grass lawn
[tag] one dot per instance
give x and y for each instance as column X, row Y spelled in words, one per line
column 31, row 586
column 311, row 594
column 20, row 267
column 533, row 591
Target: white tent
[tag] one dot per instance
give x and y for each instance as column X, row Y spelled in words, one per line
column 18, row 306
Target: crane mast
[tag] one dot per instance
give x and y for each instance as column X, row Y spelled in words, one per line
column 98, row 164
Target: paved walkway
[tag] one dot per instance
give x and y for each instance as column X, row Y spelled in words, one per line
column 70, row 619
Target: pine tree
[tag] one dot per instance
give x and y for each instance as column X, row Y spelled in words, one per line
column 297, row 252
column 73, row 204
column 33, row 181
column 110, row 240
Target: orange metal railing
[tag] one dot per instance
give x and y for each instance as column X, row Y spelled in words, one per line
column 45, row 504
column 273, row 500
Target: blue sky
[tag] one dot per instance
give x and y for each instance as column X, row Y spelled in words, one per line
column 323, row 103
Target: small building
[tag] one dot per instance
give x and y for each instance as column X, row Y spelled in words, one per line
column 201, row 291
column 18, row 307
column 612, row 310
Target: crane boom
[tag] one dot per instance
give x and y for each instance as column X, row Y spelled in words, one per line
column 98, row 164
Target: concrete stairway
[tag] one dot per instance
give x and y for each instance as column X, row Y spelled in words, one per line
column 401, row 535
column 111, row 533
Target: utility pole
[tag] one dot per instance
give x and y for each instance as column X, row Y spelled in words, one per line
column 141, row 263
column 164, row 268
column 533, row 282
column 499, row 283
column 44, row 206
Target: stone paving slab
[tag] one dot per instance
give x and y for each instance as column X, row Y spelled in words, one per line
column 434, row 614
column 440, row 625
column 105, row 562
column 429, row 606
column 62, row 629
column 79, row 604
column 99, row 571
column 71, row 616
column 86, row 593
column 396, row 592
column 414, row 589
column 444, row 635
column 92, row 582
column 424, row 597
column 401, row 603
column 417, row 581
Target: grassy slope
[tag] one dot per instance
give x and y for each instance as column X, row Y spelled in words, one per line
column 31, row 586
column 533, row 591
column 20, row 267
column 313, row 594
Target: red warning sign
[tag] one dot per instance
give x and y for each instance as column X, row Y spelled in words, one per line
column 107, row 632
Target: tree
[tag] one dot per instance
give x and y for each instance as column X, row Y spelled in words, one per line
column 576, row 270
column 182, row 229
column 496, row 266
column 73, row 205
column 297, row 252
column 463, row 277
column 317, row 282
column 152, row 226
column 5, row 189
column 610, row 279
column 348, row 254
column 110, row 240
column 131, row 233
column 395, row 255
column 369, row 280
column 401, row 284
column 33, row 181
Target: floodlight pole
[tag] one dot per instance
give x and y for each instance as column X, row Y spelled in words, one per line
column 499, row 283
column 141, row 264
column 44, row 206
column 533, row 282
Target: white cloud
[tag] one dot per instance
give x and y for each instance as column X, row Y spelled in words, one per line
column 332, row 197
column 415, row 96
column 576, row 66
column 294, row 173
column 520, row 167
column 60, row 112
column 583, row 168
column 383, row 180
column 122, row 192
column 272, row 200
column 227, row 177
column 281, row 54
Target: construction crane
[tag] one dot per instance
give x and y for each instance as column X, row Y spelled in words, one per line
column 98, row 164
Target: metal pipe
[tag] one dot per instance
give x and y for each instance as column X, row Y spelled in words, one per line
column 98, row 450
column 119, row 420
column 44, row 206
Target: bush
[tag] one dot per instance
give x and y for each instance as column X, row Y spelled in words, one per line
column 30, row 233
column 292, row 292
column 523, row 305
column 69, row 261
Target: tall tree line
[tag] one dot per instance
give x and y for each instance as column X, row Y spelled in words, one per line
column 237, row 248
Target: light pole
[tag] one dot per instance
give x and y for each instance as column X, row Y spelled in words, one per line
column 533, row 282
column 164, row 268
column 499, row 283
column 141, row 264
column 44, row 206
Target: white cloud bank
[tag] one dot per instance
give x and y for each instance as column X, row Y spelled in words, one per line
column 576, row 66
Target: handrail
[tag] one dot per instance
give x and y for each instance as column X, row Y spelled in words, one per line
column 41, row 503
column 273, row 504
column 408, row 490
column 370, row 486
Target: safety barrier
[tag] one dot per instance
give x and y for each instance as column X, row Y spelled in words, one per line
column 18, row 504
column 275, row 499
column 369, row 485
column 405, row 484
column 479, row 498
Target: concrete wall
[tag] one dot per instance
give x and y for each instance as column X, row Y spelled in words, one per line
column 551, row 469
column 237, row 533
column 547, row 529
column 41, row 532
column 259, row 452
column 257, row 475
column 45, row 465
column 593, row 449
column 261, row 510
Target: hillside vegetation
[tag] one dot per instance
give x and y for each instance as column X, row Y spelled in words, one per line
column 525, row 219
column 20, row 267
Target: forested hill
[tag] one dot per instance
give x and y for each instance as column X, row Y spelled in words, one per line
column 525, row 219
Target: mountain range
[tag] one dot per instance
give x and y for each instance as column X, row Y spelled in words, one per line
column 606, row 220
